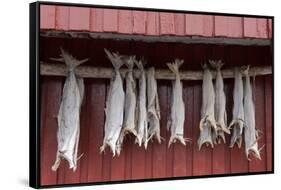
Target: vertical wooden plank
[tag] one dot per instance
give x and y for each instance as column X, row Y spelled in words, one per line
column 199, row 25
column 152, row 23
column 107, row 155
column 43, row 113
column 167, row 25
column 179, row 24
column 125, row 22
column 47, row 16
column 96, row 20
column 259, row 165
column 188, row 125
column 159, row 150
column 202, row 160
column 139, row 22
column 169, row 150
column 228, row 26
column 79, row 18
column 52, row 92
column 62, row 18
column 255, row 27
column 269, row 23
column 96, row 99
column 268, row 121
column 110, row 20
column 84, row 135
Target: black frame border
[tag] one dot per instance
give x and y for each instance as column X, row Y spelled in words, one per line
column 34, row 94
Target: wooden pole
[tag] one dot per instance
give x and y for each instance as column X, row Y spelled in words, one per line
column 52, row 69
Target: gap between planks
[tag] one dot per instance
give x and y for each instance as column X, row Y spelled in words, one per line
column 52, row 69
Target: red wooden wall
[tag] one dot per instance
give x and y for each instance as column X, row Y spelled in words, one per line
column 157, row 161
column 152, row 23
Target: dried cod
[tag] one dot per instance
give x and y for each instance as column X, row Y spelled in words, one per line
column 176, row 121
column 237, row 122
column 114, row 106
column 207, row 124
column 153, row 109
column 250, row 132
column 129, row 123
column 220, row 101
column 69, row 112
column 142, row 126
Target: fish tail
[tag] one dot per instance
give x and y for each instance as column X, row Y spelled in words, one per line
column 129, row 61
column 139, row 65
column 245, row 69
column 174, row 67
column 216, row 64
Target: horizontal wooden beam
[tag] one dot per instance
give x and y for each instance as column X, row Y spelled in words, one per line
column 53, row 69
column 166, row 38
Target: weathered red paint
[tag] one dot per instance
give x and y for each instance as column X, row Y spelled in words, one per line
column 199, row 25
column 255, row 27
column 152, row 23
column 62, row 18
column 110, row 20
column 79, row 18
column 125, row 24
column 47, row 16
column 229, row 26
column 96, row 24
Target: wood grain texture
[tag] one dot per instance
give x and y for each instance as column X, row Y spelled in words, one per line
column 125, row 22
column 270, row 28
column 47, row 16
column 199, row 25
column 227, row 26
column 167, row 24
column 79, row 18
column 110, row 20
column 62, row 18
column 268, row 120
column 139, row 22
column 255, row 27
column 96, row 20
column 152, row 23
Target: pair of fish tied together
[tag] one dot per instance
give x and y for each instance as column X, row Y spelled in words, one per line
column 69, row 113
column 244, row 114
column 127, row 112
column 213, row 123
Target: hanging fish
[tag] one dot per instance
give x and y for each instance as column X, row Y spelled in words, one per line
column 237, row 122
column 153, row 109
column 220, row 101
column 207, row 124
column 114, row 106
column 250, row 132
column 129, row 123
column 69, row 113
column 142, row 130
column 176, row 122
